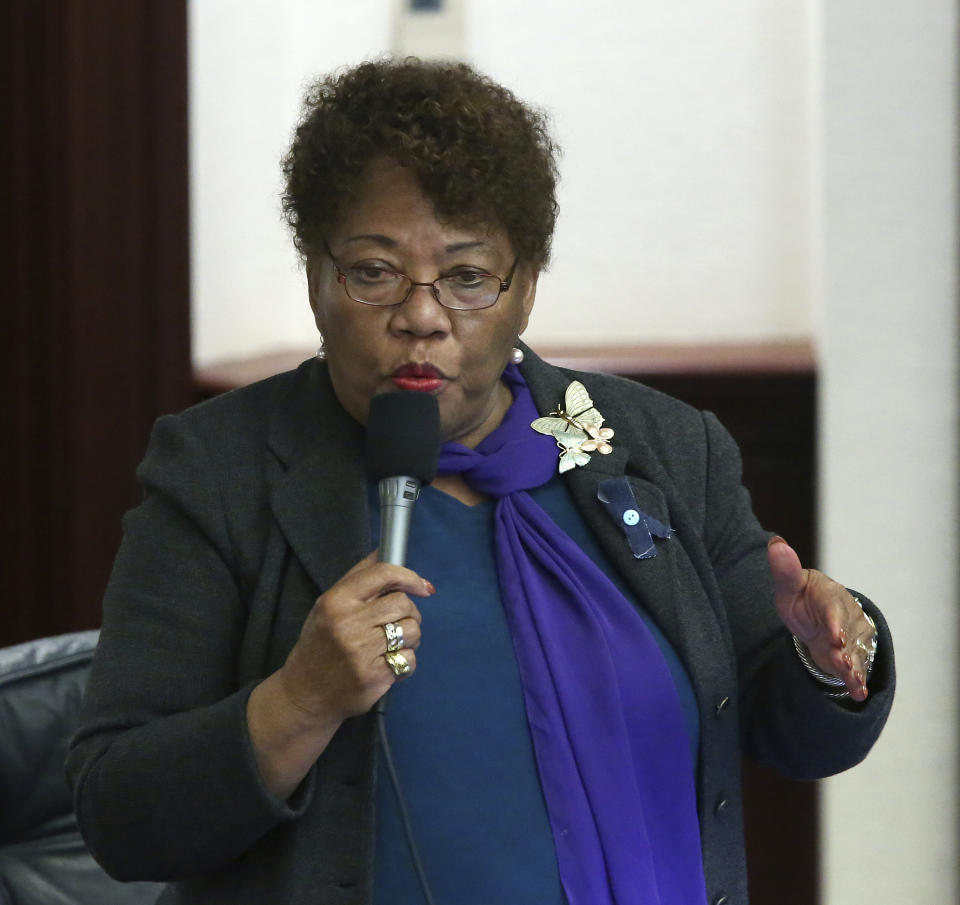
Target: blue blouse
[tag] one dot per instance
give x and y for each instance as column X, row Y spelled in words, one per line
column 458, row 729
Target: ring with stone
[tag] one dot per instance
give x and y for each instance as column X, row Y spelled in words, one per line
column 397, row 662
column 394, row 635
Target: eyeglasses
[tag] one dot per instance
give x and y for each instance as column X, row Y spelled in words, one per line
column 464, row 290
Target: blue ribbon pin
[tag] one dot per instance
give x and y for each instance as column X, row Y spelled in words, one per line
column 617, row 495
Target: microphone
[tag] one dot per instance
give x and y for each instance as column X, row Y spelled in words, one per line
column 403, row 443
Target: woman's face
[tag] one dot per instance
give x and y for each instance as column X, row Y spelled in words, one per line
column 459, row 355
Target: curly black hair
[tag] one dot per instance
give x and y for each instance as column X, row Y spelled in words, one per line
column 480, row 154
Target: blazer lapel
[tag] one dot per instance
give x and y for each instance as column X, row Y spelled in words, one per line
column 319, row 489
column 667, row 585
column 653, row 580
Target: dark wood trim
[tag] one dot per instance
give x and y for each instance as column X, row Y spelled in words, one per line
column 97, row 277
column 649, row 360
column 735, row 359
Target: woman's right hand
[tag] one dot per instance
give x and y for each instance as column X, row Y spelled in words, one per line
column 336, row 670
column 337, row 667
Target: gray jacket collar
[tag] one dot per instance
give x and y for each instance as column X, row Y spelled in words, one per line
column 318, row 486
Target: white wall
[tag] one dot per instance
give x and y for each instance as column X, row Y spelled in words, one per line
column 684, row 190
column 249, row 64
column 684, row 202
column 889, row 464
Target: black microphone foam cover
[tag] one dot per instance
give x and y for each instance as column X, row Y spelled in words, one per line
column 403, row 436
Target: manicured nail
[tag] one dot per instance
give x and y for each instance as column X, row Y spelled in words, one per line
column 842, row 638
column 859, row 677
column 847, row 661
column 431, row 588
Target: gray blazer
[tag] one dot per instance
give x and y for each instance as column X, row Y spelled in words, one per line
column 256, row 501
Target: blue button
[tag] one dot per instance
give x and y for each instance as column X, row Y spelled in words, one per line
column 631, row 517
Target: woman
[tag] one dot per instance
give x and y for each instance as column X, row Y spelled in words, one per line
column 574, row 659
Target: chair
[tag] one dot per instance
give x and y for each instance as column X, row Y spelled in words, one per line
column 43, row 860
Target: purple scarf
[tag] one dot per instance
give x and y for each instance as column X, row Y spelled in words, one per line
column 605, row 717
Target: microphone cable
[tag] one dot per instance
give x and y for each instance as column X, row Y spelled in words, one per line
column 380, row 712
column 402, row 445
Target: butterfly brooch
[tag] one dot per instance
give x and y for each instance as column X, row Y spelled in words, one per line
column 577, row 428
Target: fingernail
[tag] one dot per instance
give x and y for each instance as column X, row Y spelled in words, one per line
column 847, row 661
column 431, row 588
column 859, row 677
column 843, row 638
column 776, row 539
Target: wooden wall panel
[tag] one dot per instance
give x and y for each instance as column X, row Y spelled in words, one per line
column 96, row 283
column 773, row 418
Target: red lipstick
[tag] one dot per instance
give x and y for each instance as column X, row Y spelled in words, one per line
column 423, row 378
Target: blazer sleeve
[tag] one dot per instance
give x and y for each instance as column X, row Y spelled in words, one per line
column 164, row 775
column 787, row 720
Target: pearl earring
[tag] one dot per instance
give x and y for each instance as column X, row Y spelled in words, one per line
column 516, row 355
column 321, row 352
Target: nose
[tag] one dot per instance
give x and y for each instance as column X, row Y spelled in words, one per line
column 421, row 314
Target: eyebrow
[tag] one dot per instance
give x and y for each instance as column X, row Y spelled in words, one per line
column 376, row 237
column 463, row 246
column 381, row 239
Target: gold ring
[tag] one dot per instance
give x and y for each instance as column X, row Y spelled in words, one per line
column 394, row 635
column 397, row 662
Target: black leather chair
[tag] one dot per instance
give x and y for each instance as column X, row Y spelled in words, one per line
column 43, row 860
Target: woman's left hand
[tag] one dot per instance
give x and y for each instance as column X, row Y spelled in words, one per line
column 823, row 615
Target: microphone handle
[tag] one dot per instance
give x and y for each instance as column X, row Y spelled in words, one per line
column 398, row 496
